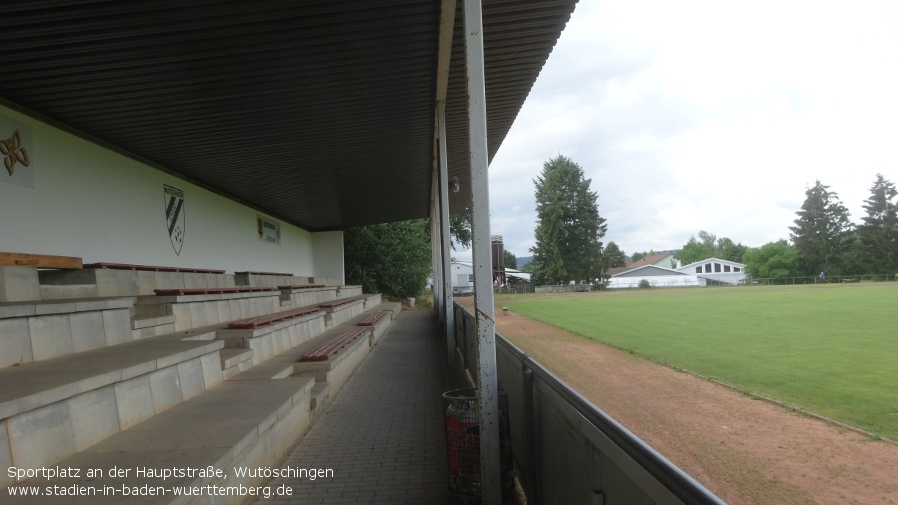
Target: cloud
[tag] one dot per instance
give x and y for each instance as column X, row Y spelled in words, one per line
column 706, row 115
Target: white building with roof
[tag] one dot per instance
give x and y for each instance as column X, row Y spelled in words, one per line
column 708, row 272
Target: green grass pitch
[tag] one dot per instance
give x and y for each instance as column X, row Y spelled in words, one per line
column 830, row 349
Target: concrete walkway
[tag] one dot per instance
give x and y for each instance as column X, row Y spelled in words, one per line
column 382, row 435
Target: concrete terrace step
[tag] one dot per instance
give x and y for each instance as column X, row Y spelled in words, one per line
column 264, row 419
column 272, row 339
column 52, row 409
column 36, row 331
column 234, row 361
column 33, row 385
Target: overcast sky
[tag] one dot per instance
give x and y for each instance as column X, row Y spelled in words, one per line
column 707, row 115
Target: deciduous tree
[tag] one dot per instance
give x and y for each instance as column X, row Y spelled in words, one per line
column 569, row 229
column 393, row 258
column 772, row 260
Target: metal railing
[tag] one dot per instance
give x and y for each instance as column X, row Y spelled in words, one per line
column 566, row 450
column 830, row 279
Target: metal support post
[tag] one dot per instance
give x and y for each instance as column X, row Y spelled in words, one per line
column 446, row 267
column 488, row 387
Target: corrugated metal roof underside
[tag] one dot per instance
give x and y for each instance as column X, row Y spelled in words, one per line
column 317, row 112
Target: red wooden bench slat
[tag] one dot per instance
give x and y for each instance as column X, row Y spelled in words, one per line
column 372, row 319
column 151, row 268
column 264, row 273
column 333, row 346
column 207, row 291
column 254, row 322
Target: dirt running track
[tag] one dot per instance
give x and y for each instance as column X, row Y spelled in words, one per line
column 747, row 451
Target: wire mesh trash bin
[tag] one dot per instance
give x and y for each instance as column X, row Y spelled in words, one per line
column 461, row 409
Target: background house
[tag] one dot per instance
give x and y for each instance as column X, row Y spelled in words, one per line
column 709, row 272
column 462, row 275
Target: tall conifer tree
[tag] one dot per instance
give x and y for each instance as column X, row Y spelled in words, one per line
column 821, row 231
column 569, row 229
column 878, row 235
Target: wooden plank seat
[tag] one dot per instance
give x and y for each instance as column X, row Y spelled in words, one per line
column 254, row 322
column 151, row 268
column 338, row 302
column 334, row 345
column 39, row 260
column 372, row 319
column 303, row 286
column 208, row 291
column 263, row 273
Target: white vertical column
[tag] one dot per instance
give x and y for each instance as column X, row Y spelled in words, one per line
column 436, row 262
column 444, row 234
column 487, row 378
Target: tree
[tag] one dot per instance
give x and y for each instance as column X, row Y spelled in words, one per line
column 772, row 260
column 638, row 256
column 569, row 229
column 820, row 232
column 460, row 228
column 511, row 261
column 697, row 249
column 878, row 235
column 707, row 245
column 613, row 257
column 393, row 258
column 730, row 251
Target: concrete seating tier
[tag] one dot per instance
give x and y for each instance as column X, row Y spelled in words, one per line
column 152, row 268
column 127, row 280
column 238, row 424
column 269, row 279
column 301, row 295
column 335, row 344
column 371, row 300
column 336, row 370
column 373, row 319
column 347, row 291
column 195, row 310
column 35, row 331
column 161, row 380
column 277, row 317
column 53, row 408
column 271, row 339
column 341, row 310
column 380, row 320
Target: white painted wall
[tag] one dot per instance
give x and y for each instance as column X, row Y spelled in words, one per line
column 99, row 205
column 327, row 251
column 659, row 281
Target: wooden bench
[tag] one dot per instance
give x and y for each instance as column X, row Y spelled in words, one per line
column 208, row 291
column 39, row 260
column 849, row 280
column 336, row 303
column 151, row 268
column 254, row 322
column 303, row 286
column 324, row 351
column 263, row 273
column 373, row 319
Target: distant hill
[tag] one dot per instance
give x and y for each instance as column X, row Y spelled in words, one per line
column 523, row 261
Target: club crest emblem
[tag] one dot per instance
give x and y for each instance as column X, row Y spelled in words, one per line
column 13, row 152
column 174, row 216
